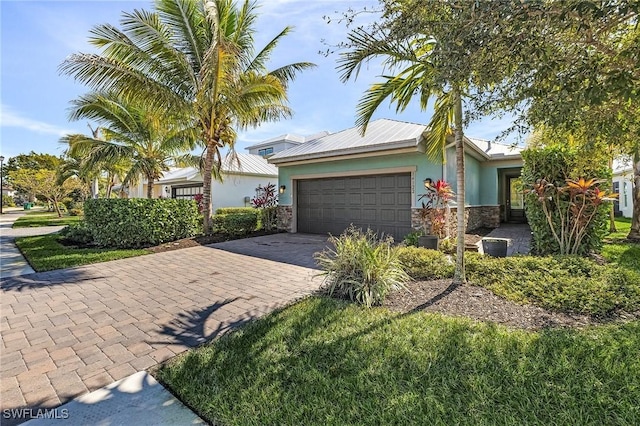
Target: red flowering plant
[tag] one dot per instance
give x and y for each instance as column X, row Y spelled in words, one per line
column 198, row 199
column 570, row 209
column 266, row 200
column 433, row 213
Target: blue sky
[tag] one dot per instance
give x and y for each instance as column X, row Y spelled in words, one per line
column 36, row 36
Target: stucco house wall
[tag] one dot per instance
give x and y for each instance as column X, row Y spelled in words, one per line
column 625, row 195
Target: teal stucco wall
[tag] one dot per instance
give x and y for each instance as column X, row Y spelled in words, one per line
column 424, row 169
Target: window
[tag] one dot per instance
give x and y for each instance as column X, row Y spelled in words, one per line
column 624, row 193
column 265, row 151
column 186, row 192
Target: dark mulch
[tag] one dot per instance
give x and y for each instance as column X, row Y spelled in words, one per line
column 477, row 303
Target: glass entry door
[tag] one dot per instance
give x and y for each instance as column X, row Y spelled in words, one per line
column 515, row 201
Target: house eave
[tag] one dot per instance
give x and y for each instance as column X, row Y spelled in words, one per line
column 408, row 145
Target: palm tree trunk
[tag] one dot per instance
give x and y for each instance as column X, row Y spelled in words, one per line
column 206, row 188
column 459, row 276
column 634, row 233
column 149, row 187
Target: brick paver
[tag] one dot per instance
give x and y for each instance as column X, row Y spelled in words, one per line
column 71, row 331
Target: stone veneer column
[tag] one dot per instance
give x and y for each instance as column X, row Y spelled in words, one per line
column 285, row 218
column 475, row 217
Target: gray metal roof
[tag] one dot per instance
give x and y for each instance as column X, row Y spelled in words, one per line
column 290, row 138
column 382, row 134
column 495, row 150
column 248, row 164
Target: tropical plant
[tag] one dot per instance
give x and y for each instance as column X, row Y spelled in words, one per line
column 266, row 201
column 131, row 132
column 45, row 184
column 570, row 210
column 361, row 267
column 195, row 60
column 433, row 212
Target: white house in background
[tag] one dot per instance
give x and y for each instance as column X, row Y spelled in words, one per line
column 240, row 180
column 623, row 185
column 282, row 142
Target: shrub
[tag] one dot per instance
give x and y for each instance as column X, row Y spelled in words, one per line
column 240, row 223
column 75, row 212
column 266, row 202
column 563, row 283
column 8, row 201
column 361, row 267
column 78, row 233
column 412, row 238
column 138, row 222
column 425, row 264
column 555, row 164
column 237, row 210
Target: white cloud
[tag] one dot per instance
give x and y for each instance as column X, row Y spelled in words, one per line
column 10, row 118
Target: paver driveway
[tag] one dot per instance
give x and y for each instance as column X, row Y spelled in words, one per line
column 71, row 331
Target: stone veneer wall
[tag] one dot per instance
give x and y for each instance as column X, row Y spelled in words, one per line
column 285, row 218
column 475, row 217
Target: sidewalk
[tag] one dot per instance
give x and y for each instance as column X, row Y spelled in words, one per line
column 12, row 263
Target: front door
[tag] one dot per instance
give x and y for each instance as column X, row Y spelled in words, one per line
column 515, row 201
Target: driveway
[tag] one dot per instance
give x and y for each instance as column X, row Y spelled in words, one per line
column 67, row 332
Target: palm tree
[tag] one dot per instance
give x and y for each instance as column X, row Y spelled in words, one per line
column 416, row 75
column 195, row 59
column 131, row 133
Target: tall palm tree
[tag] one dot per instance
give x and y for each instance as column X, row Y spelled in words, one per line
column 195, row 59
column 416, row 76
column 131, row 133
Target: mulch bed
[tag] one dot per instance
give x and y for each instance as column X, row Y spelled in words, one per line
column 478, row 303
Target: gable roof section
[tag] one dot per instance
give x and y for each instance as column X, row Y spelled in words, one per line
column 249, row 164
column 381, row 135
column 289, row 138
column 494, row 150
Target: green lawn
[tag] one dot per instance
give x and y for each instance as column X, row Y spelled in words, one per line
column 36, row 219
column 45, row 253
column 324, row 361
column 328, row 362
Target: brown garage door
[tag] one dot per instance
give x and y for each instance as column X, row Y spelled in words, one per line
column 378, row 202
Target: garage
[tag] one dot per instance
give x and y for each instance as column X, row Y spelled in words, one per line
column 379, row 202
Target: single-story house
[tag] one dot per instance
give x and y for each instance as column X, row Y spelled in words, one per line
column 375, row 180
column 241, row 177
column 623, row 186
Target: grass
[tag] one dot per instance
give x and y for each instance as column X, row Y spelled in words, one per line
column 45, row 253
column 37, row 219
column 328, row 362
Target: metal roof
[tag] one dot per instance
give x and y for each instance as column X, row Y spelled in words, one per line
column 290, row 138
column 246, row 164
column 381, row 135
column 495, row 150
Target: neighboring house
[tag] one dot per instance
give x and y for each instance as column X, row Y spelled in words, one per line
column 8, row 191
column 280, row 143
column 623, row 185
column 240, row 180
column 375, row 180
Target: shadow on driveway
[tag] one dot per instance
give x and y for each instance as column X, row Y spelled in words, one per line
column 293, row 249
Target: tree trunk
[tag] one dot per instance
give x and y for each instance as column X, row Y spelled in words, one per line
column 56, row 207
column 206, row 188
column 634, row 233
column 459, row 276
column 149, row 187
column 612, row 216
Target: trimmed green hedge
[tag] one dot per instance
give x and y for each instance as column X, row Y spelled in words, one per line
column 140, row 222
column 241, row 223
column 237, row 210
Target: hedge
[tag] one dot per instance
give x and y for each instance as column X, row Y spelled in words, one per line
column 139, row 222
column 240, row 223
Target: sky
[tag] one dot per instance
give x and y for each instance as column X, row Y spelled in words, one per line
column 36, row 37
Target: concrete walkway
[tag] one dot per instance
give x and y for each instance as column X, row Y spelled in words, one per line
column 65, row 333
column 12, row 263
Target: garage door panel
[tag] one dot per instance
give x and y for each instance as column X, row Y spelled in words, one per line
column 382, row 203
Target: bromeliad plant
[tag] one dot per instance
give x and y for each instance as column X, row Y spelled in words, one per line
column 570, row 209
column 433, row 213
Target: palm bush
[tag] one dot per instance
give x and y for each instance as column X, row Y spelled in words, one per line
column 361, row 267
